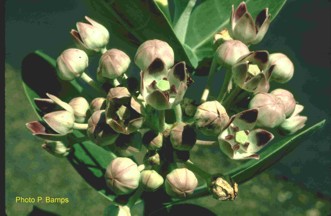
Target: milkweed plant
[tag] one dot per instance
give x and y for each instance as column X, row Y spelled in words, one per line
column 130, row 135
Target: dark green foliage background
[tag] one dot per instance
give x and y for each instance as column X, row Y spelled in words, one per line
column 298, row 185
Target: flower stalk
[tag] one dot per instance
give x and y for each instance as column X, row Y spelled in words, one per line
column 211, row 75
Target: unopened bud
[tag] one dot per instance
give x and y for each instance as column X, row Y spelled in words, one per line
column 92, row 35
column 230, row 51
column 113, row 64
column 180, row 183
column 98, row 103
column 211, row 118
column 56, row 148
column 80, row 107
column 61, row 121
column 283, row 68
column 151, row 180
column 152, row 158
column 152, row 140
column 182, row 136
column 294, row 123
column 271, row 110
column 151, row 50
column 71, row 64
column 122, row 175
column 287, row 98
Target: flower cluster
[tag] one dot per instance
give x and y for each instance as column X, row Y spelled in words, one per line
column 150, row 120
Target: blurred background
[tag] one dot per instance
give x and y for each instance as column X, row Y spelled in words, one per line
column 300, row 184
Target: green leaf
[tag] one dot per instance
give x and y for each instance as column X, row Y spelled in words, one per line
column 89, row 160
column 182, row 209
column 271, row 154
column 211, row 16
column 144, row 20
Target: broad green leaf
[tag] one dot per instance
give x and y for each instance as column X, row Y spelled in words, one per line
column 271, row 154
column 211, row 16
column 39, row 77
column 144, row 20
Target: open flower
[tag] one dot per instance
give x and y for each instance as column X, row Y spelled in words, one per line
column 161, row 88
column 294, row 123
column 239, row 140
column 123, row 112
column 91, row 35
column 251, row 72
column 243, row 27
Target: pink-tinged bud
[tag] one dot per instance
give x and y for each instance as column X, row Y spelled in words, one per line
column 80, row 107
column 282, row 68
column 211, row 117
column 113, row 63
column 71, row 64
column 182, row 136
column 294, row 123
column 97, row 104
column 91, row 35
column 180, row 183
column 287, row 98
column 61, row 122
column 56, row 148
column 271, row 110
column 151, row 180
column 122, row 176
column 152, row 140
column 230, row 51
column 151, row 50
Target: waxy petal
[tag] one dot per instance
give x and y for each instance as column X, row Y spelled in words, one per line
column 258, row 138
column 158, row 100
column 244, row 30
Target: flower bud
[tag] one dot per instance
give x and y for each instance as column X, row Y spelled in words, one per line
column 80, row 107
column 222, row 190
column 151, row 180
column 271, row 110
column 152, row 140
column 283, row 68
column 113, row 64
column 152, row 158
column 211, row 118
column 180, row 183
column 182, row 136
column 114, row 210
column 71, row 64
column 122, row 175
column 151, row 50
column 92, row 35
column 230, row 51
column 97, row 104
column 61, row 121
column 56, row 148
column 99, row 131
column 287, row 98
column 294, row 123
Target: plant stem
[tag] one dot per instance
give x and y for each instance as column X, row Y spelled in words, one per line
column 212, row 70
column 231, row 97
column 80, row 126
column 206, row 176
column 91, row 82
column 116, row 82
column 103, row 50
column 137, row 194
column 225, row 85
column 178, row 113
column 205, row 142
column 162, row 123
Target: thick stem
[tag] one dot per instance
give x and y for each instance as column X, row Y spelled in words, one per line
column 162, row 123
column 206, row 176
column 103, row 50
column 178, row 113
column 212, row 70
column 137, row 194
column 205, row 142
column 228, row 101
column 225, row 85
column 91, row 82
column 116, row 82
column 79, row 126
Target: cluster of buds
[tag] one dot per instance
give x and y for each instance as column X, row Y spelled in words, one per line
column 120, row 120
